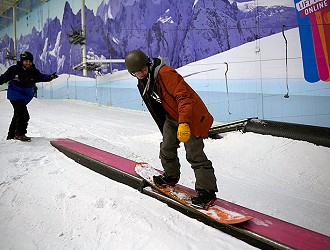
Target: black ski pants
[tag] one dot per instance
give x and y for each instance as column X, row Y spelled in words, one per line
column 203, row 169
column 19, row 122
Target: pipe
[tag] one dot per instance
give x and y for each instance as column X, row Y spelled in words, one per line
column 313, row 134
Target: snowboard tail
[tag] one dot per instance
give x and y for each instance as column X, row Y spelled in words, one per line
column 183, row 195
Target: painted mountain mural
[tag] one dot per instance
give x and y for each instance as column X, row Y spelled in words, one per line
column 181, row 31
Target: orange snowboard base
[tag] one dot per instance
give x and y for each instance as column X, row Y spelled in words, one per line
column 182, row 195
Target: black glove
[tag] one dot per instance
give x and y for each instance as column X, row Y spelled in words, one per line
column 53, row 76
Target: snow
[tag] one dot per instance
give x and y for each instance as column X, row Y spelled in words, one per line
column 115, row 40
column 195, row 3
column 244, row 61
column 48, row 201
column 165, row 18
column 247, row 6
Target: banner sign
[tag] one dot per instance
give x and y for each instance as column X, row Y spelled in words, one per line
column 314, row 30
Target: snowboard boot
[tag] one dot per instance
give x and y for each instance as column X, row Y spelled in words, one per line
column 10, row 137
column 165, row 180
column 22, row 138
column 204, row 199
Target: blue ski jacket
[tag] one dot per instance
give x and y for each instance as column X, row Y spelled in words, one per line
column 22, row 82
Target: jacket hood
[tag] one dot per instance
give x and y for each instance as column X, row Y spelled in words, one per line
column 158, row 63
column 153, row 74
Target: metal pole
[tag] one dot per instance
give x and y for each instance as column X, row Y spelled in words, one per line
column 286, row 63
column 14, row 30
column 227, row 88
column 83, row 29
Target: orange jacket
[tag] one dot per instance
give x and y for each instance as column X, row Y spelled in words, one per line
column 182, row 103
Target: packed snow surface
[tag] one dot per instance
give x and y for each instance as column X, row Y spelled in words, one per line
column 48, row 201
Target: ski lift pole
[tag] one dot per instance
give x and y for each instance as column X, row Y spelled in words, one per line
column 15, row 30
column 96, row 94
column 67, row 86
column 83, row 29
column 286, row 63
column 227, row 88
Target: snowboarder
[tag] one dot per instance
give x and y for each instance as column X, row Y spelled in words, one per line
column 22, row 78
column 181, row 116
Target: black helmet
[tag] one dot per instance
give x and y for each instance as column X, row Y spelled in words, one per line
column 26, row 56
column 135, row 60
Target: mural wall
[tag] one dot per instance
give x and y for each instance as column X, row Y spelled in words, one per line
column 182, row 31
column 264, row 58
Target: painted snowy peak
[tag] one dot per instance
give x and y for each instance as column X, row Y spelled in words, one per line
column 186, row 30
column 181, row 31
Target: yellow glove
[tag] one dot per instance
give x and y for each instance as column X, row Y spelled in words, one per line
column 183, row 132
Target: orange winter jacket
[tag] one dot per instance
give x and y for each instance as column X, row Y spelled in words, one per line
column 182, row 103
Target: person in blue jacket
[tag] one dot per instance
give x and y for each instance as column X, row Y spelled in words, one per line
column 22, row 79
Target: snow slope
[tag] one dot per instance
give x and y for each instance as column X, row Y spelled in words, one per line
column 48, row 201
column 264, row 58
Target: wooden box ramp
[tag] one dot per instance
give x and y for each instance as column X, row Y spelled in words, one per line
column 262, row 231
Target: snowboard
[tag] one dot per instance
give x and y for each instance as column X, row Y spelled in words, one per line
column 183, row 195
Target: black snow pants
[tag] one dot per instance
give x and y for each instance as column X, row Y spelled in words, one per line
column 19, row 122
column 204, row 171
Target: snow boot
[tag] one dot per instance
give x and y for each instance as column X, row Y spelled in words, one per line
column 165, row 180
column 22, row 138
column 10, row 137
column 204, row 199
